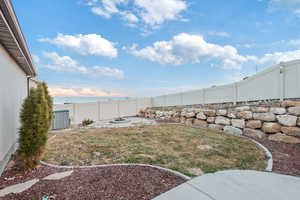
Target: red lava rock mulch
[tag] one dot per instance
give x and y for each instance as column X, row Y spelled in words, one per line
column 286, row 157
column 110, row 183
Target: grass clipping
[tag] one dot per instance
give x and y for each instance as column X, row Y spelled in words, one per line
column 171, row 146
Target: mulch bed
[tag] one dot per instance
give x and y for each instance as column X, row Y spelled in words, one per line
column 110, row 183
column 286, row 157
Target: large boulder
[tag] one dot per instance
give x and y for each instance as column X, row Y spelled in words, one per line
column 209, row 112
column 231, row 114
column 233, row 130
column 201, row 115
column 259, row 109
column 267, row 117
column 189, row 121
column 292, row 131
column 253, row 133
column 290, row 103
column 222, row 120
column 287, row 120
column 189, row 115
column 244, row 115
column 216, row 127
column 200, row 123
column 254, row 124
column 278, row 110
column 294, row 110
column 211, row 120
column 238, row 123
column 222, row 112
column 242, row 108
column 284, row 138
column 270, row 127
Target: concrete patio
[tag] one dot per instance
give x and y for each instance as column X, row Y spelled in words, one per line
column 237, row 185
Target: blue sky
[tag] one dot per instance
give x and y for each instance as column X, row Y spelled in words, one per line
column 153, row 47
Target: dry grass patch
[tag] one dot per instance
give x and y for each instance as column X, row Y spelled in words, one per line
column 172, row 146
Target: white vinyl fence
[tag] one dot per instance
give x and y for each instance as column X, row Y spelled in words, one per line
column 278, row 82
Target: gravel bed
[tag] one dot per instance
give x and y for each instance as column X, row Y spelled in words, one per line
column 111, row 183
column 286, row 157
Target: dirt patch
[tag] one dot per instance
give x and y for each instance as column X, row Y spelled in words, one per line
column 286, row 157
column 117, row 183
column 171, row 146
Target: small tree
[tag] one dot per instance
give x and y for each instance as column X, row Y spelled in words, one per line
column 49, row 102
column 34, row 127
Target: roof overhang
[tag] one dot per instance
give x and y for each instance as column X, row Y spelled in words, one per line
column 12, row 39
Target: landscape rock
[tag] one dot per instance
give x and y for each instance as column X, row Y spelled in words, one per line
column 201, row 123
column 233, row 130
column 245, row 115
column 267, row 117
column 238, row 123
column 253, row 133
column 298, row 123
column 222, row 120
column 287, row 120
column 209, row 112
column 204, row 147
column 242, row 108
column 189, row 114
column 211, row 120
column 259, row 109
column 222, row 112
column 182, row 120
column 216, row 127
column 195, row 171
column 270, row 127
column 189, row 121
column 201, row 115
column 294, row 110
column 290, row 103
column 278, row 111
column 291, row 131
column 231, row 114
column 284, row 138
column 254, row 124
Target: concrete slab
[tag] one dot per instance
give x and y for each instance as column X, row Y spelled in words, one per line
column 183, row 192
column 58, row 176
column 246, row 185
column 18, row 188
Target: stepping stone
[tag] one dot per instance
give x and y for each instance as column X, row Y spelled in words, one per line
column 18, row 188
column 58, row 176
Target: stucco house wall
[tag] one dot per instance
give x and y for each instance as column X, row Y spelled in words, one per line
column 13, row 90
column 16, row 69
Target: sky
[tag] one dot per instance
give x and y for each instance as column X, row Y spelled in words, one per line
column 134, row 48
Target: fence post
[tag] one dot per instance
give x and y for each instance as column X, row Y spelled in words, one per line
column 99, row 110
column 282, row 81
column 235, row 98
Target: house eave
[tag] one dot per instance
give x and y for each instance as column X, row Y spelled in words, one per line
column 12, row 39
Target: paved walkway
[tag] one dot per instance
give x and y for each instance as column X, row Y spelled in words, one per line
column 237, row 185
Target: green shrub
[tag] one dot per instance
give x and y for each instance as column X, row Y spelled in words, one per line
column 49, row 102
column 86, row 122
column 35, row 124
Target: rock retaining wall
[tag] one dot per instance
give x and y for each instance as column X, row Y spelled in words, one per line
column 276, row 121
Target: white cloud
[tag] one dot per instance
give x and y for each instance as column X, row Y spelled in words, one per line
column 186, row 48
column 219, row 34
column 292, row 6
column 67, row 64
column 90, row 44
column 277, row 57
column 294, row 43
column 150, row 13
column 83, row 92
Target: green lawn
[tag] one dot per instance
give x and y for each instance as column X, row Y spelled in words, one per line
column 176, row 147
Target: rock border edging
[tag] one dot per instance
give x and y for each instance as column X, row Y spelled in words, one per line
column 187, row 178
